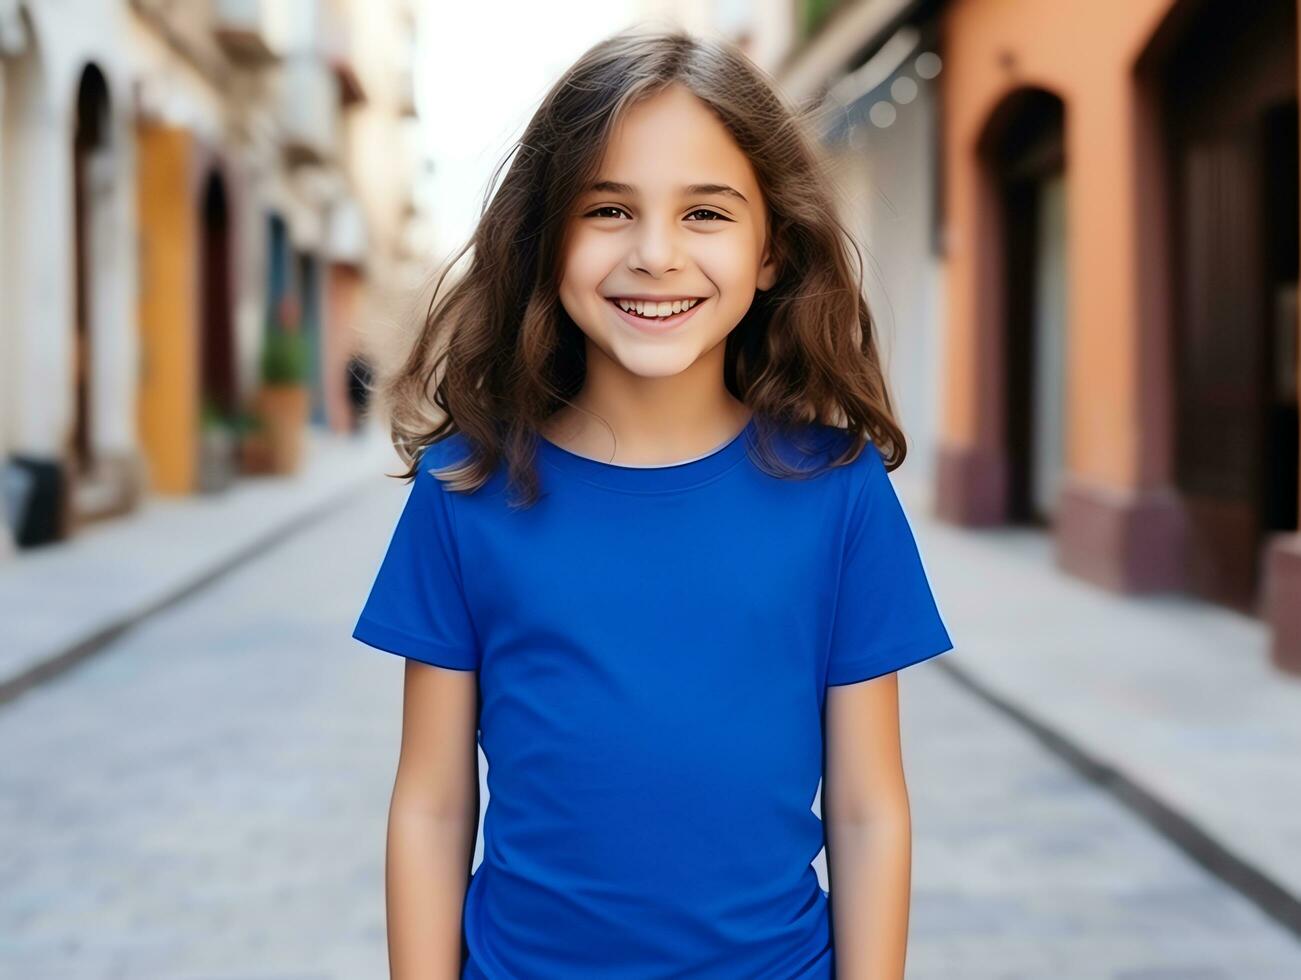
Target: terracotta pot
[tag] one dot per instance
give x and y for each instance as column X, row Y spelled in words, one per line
column 254, row 454
column 283, row 410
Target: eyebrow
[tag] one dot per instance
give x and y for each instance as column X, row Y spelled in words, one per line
column 615, row 187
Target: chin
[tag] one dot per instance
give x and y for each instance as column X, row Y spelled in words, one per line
column 657, row 364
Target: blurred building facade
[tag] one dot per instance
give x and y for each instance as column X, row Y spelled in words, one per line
column 1126, row 181
column 1081, row 224
column 178, row 180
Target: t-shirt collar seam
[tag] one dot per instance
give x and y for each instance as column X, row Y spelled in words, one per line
column 644, row 491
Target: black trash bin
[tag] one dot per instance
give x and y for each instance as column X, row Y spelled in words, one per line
column 41, row 490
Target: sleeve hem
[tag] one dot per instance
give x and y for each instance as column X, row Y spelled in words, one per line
column 867, row 668
column 403, row 644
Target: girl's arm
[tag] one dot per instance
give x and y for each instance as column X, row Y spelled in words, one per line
column 868, row 828
column 433, row 822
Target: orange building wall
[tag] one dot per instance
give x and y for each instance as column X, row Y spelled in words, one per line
column 992, row 49
column 167, row 409
column 343, row 287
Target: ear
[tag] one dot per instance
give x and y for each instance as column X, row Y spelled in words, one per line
column 767, row 270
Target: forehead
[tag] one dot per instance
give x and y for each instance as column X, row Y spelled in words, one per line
column 672, row 140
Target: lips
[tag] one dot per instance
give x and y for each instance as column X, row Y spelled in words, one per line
column 656, row 325
column 654, row 301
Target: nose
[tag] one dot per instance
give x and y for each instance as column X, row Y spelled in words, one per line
column 655, row 249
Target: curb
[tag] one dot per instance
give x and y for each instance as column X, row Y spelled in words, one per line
column 62, row 660
column 1248, row 880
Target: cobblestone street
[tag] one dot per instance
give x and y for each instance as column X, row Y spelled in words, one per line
column 207, row 797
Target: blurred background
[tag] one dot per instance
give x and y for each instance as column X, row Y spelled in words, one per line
column 1080, row 226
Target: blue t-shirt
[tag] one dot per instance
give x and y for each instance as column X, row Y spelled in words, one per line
column 653, row 646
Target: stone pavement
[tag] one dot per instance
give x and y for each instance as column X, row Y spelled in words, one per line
column 1170, row 702
column 61, row 602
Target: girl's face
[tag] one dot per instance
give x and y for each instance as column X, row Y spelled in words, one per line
column 675, row 213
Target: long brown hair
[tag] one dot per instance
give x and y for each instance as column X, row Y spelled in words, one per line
column 498, row 354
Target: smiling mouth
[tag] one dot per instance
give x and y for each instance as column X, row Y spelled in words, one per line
column 652, row 310
column 654, row 324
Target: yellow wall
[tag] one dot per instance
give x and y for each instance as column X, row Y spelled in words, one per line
column 168, row 405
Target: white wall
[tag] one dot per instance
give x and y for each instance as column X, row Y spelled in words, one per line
column 886, row 174
column 37, row 261
column 38, row 256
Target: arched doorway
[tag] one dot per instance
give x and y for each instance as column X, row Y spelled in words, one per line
column 280, row 272
column 1226, row 91
column 311, row 309
column 1022, row 158
column 92, row 191
column 217, row 344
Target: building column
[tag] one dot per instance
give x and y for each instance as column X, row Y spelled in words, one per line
column 168, row 404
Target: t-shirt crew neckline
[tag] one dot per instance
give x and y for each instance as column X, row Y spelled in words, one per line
column 650, row 479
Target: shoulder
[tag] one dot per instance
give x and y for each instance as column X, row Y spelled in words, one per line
column 428, row 490
column 823, row 444
column 862, row 484
column 440, row 473
column 446, row 452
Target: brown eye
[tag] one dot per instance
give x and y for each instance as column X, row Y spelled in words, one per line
column 607, row 207
column 716, row 215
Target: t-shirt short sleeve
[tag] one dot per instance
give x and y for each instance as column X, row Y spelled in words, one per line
column 417, row 607
column 885, row 617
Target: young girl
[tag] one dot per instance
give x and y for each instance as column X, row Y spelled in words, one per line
column 651, row 557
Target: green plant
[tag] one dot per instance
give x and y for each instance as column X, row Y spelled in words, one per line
column 245, row 422
column 211, row 417
column 284, row 358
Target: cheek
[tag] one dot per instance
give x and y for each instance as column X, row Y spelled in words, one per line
column 586, row 263
column 583, row 271
column 733, row 255
column 728, row 261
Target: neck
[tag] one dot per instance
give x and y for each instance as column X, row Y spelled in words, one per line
column 626, row 418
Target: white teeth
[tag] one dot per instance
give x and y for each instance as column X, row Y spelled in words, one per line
column 666, row 308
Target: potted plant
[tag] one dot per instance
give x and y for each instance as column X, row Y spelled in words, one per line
column 216, row 449
column 252, row 446
column 282, row 399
